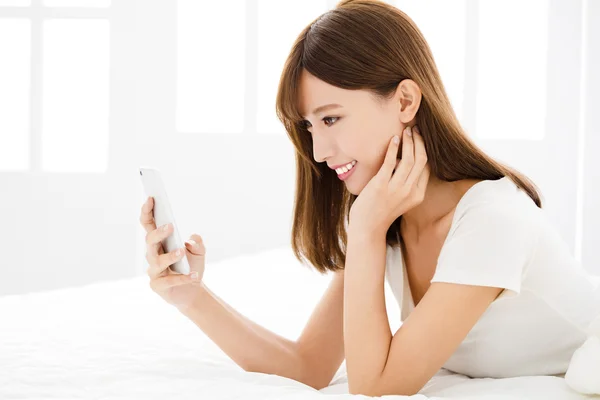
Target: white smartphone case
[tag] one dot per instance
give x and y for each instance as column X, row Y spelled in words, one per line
column 163, row 214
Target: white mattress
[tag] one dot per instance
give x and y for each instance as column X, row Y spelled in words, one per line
column 119, row 340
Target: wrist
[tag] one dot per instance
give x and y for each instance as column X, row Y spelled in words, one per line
column 195, row 305
column 365, row 234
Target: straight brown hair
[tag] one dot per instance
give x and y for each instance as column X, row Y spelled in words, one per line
column 369, row 45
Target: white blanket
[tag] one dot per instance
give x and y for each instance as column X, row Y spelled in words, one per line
column 119, row 340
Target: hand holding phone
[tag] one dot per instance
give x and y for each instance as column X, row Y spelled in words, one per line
column 163, row 214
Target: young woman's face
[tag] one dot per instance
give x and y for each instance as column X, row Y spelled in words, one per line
column 360, row 130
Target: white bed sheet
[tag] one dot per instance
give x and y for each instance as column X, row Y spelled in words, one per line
column 119, row 340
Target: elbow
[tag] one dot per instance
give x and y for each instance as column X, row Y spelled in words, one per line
column 355, row 390
column 364, row 387
column 378, row 389
column 312, row 376
column 377, row 392
column 363, row 390
column 316, row 381
column 318, row 385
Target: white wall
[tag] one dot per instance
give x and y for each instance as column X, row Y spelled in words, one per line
column 236, row 190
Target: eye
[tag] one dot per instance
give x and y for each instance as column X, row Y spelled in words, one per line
column 329, row 118
column 307, row 125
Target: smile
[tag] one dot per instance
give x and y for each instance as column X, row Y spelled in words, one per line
column 344, row 172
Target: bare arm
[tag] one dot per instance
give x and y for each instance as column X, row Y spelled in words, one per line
column 313, row 359
column 321, row 343
column 248, row 344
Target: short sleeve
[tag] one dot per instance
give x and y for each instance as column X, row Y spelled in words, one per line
column 489, row 244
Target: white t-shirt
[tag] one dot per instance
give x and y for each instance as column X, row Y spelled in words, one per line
column 500, row 238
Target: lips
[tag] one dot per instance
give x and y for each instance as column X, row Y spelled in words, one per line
column 346, row 175
column 334, row 167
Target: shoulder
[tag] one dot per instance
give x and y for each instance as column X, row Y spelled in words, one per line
column 493, row 237
column 496, row 205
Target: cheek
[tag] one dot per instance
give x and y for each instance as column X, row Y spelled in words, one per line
column 368, row 155
column 368, row 149
column 366, row 168
column 360, row 179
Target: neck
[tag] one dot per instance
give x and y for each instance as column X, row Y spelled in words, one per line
column 440, row 200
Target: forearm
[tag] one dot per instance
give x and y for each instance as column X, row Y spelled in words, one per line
column 248, row 344
column 367, row 334
column 284, row 342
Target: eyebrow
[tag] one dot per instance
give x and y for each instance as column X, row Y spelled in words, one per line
column 325, row 107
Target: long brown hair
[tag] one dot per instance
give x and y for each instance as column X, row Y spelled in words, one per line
column 370, row 45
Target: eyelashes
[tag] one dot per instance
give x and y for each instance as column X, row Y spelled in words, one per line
column 305, row 124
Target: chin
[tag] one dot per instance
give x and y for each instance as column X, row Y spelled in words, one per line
column 354, row 188
column 356, row 193
column 355, row 185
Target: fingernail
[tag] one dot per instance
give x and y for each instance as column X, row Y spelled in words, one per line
column 194, row 275
column 408, row 131
column 396, row 139
column 166, row 227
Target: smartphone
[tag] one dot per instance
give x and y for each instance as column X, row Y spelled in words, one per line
column 163, row 214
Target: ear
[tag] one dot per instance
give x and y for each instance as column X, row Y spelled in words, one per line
column 408, row 95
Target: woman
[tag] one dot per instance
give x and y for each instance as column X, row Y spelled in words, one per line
column 486, row 286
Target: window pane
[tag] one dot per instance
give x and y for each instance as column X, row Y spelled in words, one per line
column 445, row 32
column 513, row 44
column 15, row 44
column 211, row 62
column 75, row 95
column 77, row 3
column 279, row 23
column 17, row 3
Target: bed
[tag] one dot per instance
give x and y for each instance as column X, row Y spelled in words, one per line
column 119, row 340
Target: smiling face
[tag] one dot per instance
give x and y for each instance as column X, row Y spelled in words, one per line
column 359, row 129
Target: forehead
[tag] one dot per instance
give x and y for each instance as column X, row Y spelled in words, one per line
column 313, row 92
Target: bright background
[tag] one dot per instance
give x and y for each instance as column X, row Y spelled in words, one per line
column 92, row 89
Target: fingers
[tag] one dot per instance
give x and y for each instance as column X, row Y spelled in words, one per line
column 420, row 158
column 155, row 237
column 147, row 215
column 162, row 283
column 413, row 159
column 423, row 179
column 195, row 245
column 408, row 156
column 149, row 224
column 397, row 163
column 160, row 263
column 390, row 161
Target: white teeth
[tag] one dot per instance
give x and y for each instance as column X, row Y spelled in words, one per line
column 345, row 168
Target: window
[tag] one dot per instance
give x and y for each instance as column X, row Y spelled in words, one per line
column 279, row 23
column 445, row 31
column 487, row 69
column 15, row 46
column 211, row 64
column 228, row 69
column 511, row 73
column 58, row 57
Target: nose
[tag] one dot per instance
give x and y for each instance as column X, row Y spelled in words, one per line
column 323, row 146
